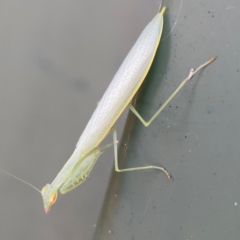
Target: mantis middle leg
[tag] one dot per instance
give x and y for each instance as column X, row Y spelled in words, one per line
column 130, row 169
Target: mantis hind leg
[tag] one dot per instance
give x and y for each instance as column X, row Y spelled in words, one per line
column 192, row 72
column 130, row 169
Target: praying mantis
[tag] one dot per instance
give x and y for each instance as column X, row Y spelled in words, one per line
column 116, row 98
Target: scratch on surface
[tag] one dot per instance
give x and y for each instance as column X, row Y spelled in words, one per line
column 192, row 133
column 228, row 8
column 196, row 136
column 147, row 205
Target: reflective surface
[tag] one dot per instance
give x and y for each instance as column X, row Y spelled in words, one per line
column 196, row 138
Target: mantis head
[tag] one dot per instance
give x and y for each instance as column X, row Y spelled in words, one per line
column 49, row 195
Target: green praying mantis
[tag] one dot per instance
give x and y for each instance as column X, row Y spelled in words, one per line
column 116, row 98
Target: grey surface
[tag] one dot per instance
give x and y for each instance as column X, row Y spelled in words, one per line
column 57, row 58
column 196, row 138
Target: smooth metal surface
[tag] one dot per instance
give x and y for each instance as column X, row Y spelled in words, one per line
column 196, row 138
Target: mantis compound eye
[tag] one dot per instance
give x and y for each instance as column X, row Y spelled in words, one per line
column 53, row 198
column 49, row 195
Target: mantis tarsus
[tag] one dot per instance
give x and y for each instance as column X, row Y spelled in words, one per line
column 117, row 97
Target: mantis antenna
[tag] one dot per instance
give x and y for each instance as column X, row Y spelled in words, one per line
column 29, row 184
